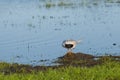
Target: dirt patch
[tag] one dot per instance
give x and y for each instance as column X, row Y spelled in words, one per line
column 76, row 56
column 77, row 59
column 82, row 59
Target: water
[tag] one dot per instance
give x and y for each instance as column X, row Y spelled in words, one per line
column 32, row 33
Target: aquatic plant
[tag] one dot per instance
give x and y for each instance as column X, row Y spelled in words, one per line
column 109, row 1
column 43, row 17
column 60, row 4
column 118, row 1
column 64, row 4
column 49, row 5
column 30, row 25
column 95, row 3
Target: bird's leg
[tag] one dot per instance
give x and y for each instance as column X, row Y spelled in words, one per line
column 69, row 52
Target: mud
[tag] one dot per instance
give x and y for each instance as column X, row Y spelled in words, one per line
column 82, row 59
column 77, row 59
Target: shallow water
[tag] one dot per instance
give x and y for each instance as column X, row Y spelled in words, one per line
column 32, row 33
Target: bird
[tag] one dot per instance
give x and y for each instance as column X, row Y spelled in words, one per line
column 70, row 44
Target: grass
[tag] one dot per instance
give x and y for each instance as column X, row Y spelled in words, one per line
column 106, row 71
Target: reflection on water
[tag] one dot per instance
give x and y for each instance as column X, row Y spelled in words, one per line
column 31, row 32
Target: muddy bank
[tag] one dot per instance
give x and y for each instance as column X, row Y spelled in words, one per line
column 69, row 59
column 82, row 59
column 77, row 59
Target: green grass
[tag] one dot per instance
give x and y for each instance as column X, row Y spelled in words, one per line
column 106, row 71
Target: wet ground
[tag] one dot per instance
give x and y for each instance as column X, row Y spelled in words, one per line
column 69, row 59
column 82, row 59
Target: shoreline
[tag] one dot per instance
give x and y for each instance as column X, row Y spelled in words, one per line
column 69, row 59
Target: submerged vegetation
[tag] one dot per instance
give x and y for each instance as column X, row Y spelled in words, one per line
column 49, row 4
column 63, row 3
column 60, row 4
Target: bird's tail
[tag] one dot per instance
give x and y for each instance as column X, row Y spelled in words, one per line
column 78, row 41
